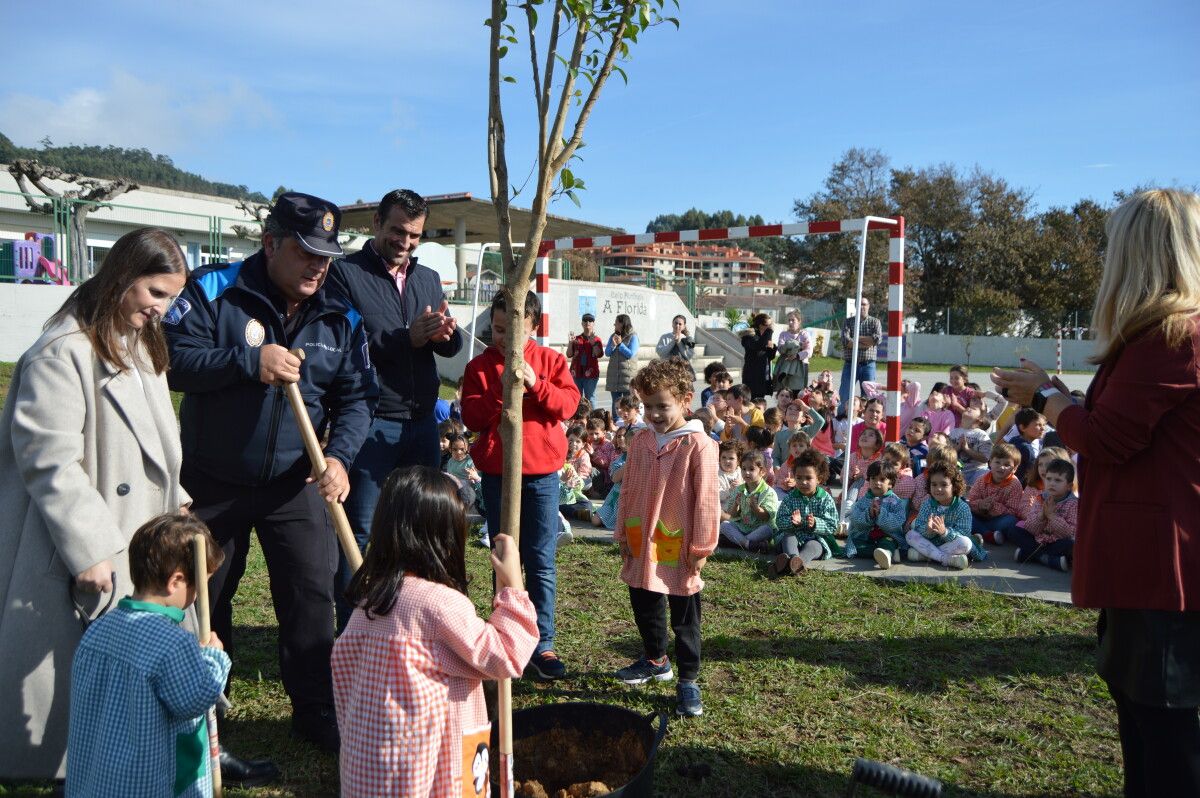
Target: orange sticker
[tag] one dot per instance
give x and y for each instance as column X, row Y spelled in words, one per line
column 633, row 535
column 476, row 761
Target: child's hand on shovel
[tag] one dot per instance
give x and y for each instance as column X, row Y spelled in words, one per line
column 506, row 562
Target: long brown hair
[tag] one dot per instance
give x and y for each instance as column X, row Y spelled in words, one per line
column 96, row 304
column 419, row 528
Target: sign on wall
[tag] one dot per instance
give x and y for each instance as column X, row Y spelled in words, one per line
column 613, row 302
column 587, row 301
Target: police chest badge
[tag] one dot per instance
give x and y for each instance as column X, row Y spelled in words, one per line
column 255, row 333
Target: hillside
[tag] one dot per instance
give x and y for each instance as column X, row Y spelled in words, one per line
column 110, row 162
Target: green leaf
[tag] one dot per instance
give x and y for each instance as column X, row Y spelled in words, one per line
column 568, row 179
column 574, row 198
column 503, row 51
column 621, row 72
column 673, row 21
column 509, row 79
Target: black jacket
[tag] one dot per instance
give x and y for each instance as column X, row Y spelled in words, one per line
column 408, row 377
column 234, row 427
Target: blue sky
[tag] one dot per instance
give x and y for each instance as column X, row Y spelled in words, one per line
column 745, row 107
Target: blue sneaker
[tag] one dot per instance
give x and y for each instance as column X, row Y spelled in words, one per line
column 644, row 670
column 687, row 697
column 546, row 665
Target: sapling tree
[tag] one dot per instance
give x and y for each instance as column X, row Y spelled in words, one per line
column 573, row 47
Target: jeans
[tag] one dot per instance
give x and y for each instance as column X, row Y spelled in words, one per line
column 587, row 388
column 1000, row 523
column 390, row 444
column 616, row 397
column 866, row 373
column 539, row 543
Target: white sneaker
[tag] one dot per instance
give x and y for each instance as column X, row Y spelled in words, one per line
column 883, row 558
column 565, row 535
column 1062, row 563
column 485, row 539
column 998, row 536
column 958, row 562
column 914, row 555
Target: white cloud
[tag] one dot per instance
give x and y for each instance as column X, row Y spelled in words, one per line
column 131, row 112
column 1098, row 166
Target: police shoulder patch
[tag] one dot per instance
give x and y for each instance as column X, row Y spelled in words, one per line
column 179, row 308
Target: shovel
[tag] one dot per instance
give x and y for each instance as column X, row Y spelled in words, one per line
column 341, row 524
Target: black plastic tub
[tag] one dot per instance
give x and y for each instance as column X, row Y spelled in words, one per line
column 611, row 721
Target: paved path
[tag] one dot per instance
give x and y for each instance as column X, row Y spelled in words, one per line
column 999, row 574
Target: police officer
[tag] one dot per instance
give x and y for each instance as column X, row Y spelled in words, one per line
column 244, row 462
column 408, row 322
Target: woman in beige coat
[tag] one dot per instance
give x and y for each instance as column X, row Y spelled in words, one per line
column 89, row 450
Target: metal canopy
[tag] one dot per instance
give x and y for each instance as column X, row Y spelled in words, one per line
column 480, row 218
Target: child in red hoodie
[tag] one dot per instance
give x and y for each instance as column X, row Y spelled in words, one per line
column 550, row 398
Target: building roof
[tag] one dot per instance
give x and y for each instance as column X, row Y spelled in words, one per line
column 673, row 251
column 480, row 216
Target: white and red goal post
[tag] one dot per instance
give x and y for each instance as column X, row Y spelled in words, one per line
column 895, row 318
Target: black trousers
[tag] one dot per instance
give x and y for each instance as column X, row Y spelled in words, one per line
column 650, row 615
column 301, row 553
column 1161, row 749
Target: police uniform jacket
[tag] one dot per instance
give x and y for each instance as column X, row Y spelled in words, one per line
column 236, row 428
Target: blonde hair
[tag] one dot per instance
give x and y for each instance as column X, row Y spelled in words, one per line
column 1151, row 270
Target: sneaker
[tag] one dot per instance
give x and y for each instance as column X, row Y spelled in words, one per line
column 979, row 541
column 796, row 565
column 998, row 536
column 958, row 562
column 546, row 665
column 687, row 697
column 779, row 565
column 1019, row 554
column 883, row 558
column 644, row 670
column 485, row 539
column 1063, row 563
column 914, row 555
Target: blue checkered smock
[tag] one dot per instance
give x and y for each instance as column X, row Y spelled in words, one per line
column 140, row 688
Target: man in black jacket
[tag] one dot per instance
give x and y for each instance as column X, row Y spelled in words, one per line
column 408, row 322
column 244, row 462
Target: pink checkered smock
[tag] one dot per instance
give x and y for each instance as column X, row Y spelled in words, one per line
column 670, row 505
column 408, row 684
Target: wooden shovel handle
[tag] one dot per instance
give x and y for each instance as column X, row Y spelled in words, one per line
column 341, row 524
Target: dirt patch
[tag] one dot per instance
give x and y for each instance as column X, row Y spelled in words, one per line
column 571, row 763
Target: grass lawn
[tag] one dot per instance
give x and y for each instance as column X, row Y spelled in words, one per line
column 995, row 696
